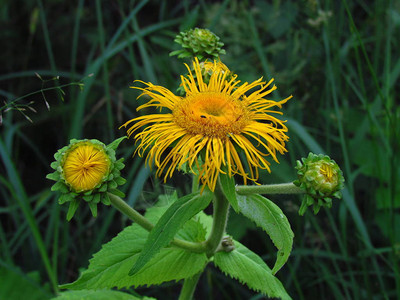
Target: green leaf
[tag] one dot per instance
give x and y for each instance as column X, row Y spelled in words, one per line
column 114, row 145
column 73, row 206
column 65, row 198
column 169, row 224
column 12, row 279
column 93, row 208
column 97, row 295
column 228, row 188
column 105, row 199
column 117, row 193
column 205, row 220
column 119, row 164
column 110, row 266
column 248, row 268
column 271, row 219
column 53, row 176
column 59, row 186
column 120, row 180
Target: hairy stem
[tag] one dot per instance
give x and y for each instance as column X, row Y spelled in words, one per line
column 282, row 188
column 220, row 218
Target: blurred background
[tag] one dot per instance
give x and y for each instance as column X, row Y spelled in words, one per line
column 65, row 72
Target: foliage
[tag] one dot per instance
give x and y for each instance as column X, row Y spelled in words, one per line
column 339, row 60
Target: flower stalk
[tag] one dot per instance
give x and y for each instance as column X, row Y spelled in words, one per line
column 212, row 244
column 131, row 213
column 282, row 188
column 220, row 219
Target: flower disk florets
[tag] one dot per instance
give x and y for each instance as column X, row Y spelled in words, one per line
column 200, row 43
column 321, row 178
column 86, row 170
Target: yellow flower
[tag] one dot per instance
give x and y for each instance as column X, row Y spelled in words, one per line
column 87, row 171
column 206, row 128
column 85, row 166
column 213, row 67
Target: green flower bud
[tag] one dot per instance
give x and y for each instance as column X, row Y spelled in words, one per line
column 200, row 43
column 86, row 170
column 321, row 178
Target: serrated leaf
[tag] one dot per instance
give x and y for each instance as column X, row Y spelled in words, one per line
column 267, row 215
column 110, row 266
column 97, row 295
column 169, row 224
column 228, row 188
column 205, row 220
column 248, row 268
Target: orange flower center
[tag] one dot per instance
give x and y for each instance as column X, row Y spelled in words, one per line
column 211, row 114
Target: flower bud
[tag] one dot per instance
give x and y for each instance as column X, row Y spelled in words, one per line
column 321, row 178
column 200, row 43
column 86, row 170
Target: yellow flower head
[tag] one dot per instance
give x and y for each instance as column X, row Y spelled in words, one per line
column 86, row 171
column 206, row 128
column 85, row 166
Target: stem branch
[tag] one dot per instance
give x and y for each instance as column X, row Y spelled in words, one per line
column 132, row 214
column 282, row 188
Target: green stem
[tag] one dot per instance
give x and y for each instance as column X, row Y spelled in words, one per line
column 128, row 211
column 132, row 214
column 189, row 286
column 220, row 218
column 195, row 183
column 282, row 188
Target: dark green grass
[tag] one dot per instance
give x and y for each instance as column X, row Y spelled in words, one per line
column 343, row 75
